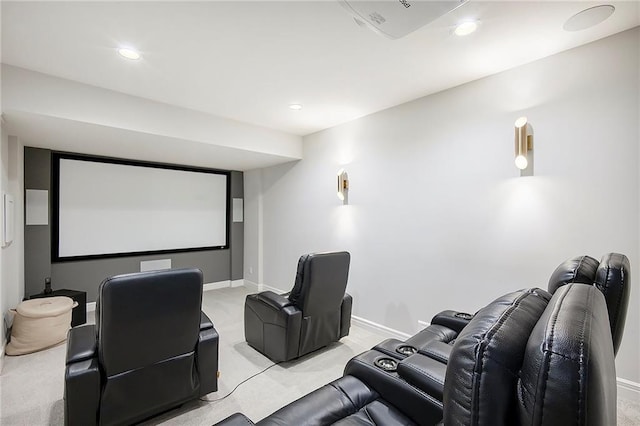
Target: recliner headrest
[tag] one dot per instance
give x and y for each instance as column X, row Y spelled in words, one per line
column 482, row 372
column 581, row 269
column 297, row 286
column 568, row 373
column 322, row 279
column 612, row 279
column 610, row 276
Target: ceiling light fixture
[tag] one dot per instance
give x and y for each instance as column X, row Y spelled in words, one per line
column 129, row 53
column 465, row 28
column 295, row 107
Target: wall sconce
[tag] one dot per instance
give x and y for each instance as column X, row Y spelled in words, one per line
column 343, row 186
column 524, row 142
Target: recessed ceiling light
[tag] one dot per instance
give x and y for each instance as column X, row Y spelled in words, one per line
column 465, row 28
column 295, row 107
column 588, row 17
column 129, row 53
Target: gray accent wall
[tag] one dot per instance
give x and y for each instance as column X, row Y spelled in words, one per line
column 237, row 229
column 86, row 275
column 37, row 238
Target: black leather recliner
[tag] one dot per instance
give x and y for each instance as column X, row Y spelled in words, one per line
column 527, row 358
column 611, row 276
column 151, row 349
column 532, row 357
column 316, row 312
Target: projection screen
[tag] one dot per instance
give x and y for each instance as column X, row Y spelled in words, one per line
column 108, row 208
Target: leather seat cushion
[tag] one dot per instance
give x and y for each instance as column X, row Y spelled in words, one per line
column 345, row 401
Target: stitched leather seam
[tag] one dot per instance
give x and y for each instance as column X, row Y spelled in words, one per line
column 426, row 373
column 619, row 301
column 483, row 342
column 435, row 355
column 575, row 271
column 366, row 411
column 353, row 405
column 547, row 359
column 581, row 364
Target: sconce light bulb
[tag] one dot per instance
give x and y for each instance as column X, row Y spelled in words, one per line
column 522, row 121
column 521, row 162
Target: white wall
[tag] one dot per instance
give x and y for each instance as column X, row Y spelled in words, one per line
column 51, row 112
column 438, row 216
column 12, row 256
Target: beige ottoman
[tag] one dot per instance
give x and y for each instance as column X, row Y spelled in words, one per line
column 39, row 324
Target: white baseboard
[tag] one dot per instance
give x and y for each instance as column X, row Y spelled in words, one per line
column 255, row 287
column 251, row 286
column 216, row 285
column 237, row 283
column 628, row 390
column 264, row 287
column 379, row 328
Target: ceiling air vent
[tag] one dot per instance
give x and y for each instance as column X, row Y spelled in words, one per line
column 397, row 18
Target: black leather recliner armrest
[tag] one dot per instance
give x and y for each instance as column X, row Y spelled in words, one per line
column 82, row 378
column 452, row 319
column 81, row 344
column 440, row 351
column 205, row 322
column 424, row 373
column 422, row 408
column 237, row 419
column 345, row 315
column 272, row 299
column 207, row 359
column 272, row 325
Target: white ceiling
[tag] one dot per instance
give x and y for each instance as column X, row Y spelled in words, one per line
column 249, row 60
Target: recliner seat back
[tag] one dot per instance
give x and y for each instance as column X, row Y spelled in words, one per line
column 319, row 290
column 321, row 282
column 580, row 269
column 612, row 279
column 134, row 315
column 611, row 276
column 481, row 376
column 568, row 375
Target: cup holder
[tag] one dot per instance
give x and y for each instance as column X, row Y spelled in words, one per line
column 406, row 350
column 386, row 364
column 464, row 316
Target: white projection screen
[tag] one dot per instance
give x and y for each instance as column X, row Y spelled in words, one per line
column 109, row 208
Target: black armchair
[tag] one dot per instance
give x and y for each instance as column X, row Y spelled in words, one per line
column 315, row 313
column 151, row 349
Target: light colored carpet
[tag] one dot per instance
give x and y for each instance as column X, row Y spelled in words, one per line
column 31, row 386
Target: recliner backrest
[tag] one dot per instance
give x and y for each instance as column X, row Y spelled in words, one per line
column 580, row 269
column 482, row 372
column 613, row 280
column 568, row 374
column 321, row 282
column 610, row 276
column 144, row 318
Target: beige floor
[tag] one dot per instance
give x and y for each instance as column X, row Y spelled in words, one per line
column 31, row 386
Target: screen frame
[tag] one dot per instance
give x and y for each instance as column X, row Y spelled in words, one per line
column 56, row 156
